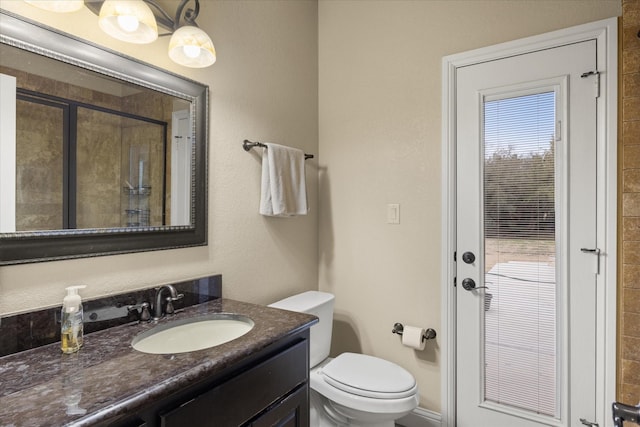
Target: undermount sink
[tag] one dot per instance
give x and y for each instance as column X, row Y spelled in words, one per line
column 192, row 334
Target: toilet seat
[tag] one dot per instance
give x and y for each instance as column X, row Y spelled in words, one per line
column 378, row 402
column 369, row 376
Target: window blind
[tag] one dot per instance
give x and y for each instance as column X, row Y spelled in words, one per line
column 520, row 336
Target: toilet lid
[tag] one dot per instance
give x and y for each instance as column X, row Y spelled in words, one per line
column 369, row 376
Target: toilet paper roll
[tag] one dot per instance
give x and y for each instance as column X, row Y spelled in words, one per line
column 412, row 337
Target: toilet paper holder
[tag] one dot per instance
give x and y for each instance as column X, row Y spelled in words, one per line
column 429, row 334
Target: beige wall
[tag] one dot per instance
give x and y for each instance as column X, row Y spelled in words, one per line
column 380, row 136
column 263, row 87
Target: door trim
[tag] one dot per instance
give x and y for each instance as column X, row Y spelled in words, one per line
column 605, row 34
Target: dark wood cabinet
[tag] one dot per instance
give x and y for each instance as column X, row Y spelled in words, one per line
column 269, row 389
column 238, row 400
column 292, row 411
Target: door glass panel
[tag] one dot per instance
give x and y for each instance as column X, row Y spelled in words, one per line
column 120, row 169
column 520, row 336
column 39, row 166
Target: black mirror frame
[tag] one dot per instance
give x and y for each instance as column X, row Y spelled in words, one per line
column 37, row 246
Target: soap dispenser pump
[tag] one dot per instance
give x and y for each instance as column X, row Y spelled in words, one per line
column 71, row 330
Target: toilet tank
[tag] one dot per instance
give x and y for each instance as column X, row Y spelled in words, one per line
column 320, row 304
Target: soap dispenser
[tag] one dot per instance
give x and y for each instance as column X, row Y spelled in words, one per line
column 71, row 321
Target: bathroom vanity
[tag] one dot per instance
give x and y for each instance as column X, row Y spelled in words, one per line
column 259, row 379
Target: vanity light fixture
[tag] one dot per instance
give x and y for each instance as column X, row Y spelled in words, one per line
column 61, row 6
column 134, row 21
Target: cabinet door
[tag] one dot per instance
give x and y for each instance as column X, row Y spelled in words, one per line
column 238, row 400
column 130, row 422
column 292, row 411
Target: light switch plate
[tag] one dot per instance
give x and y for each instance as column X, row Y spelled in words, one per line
column 393, row 213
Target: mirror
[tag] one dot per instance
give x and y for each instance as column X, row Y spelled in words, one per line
column 99, row 153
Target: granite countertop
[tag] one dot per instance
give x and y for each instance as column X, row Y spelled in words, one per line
column 107, row 377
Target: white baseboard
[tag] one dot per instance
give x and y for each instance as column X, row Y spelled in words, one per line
column 421, row 417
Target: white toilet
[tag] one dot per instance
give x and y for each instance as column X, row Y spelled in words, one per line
column 352, row 389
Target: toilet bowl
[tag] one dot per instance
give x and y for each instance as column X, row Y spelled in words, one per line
column 364, row 390
column 351, row 389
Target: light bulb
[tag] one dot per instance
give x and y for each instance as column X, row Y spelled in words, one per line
column 191, row 51
column 191, row 47
column 131, row 21
column 128, row 23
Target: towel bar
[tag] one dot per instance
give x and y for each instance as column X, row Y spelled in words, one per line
column 248, row 145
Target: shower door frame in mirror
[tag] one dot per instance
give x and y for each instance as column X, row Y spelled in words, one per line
column 47, row 245
column 604, row 33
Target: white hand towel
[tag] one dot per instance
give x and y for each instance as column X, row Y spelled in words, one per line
column 284, row 189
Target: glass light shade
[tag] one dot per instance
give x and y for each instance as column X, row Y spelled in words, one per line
column 192, row 47
column 61, row 6
column 128, row 20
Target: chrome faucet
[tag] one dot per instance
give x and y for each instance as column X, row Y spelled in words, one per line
column 173, row 296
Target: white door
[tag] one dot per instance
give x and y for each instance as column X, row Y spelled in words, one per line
column 7, row 153
column 527, row 255
column 181, row 152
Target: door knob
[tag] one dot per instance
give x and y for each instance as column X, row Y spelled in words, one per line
column 468, row 284
column 468, row 257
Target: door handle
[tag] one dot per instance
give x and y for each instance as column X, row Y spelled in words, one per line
column 468, row 257
column 469, row 284
column 596, row 252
